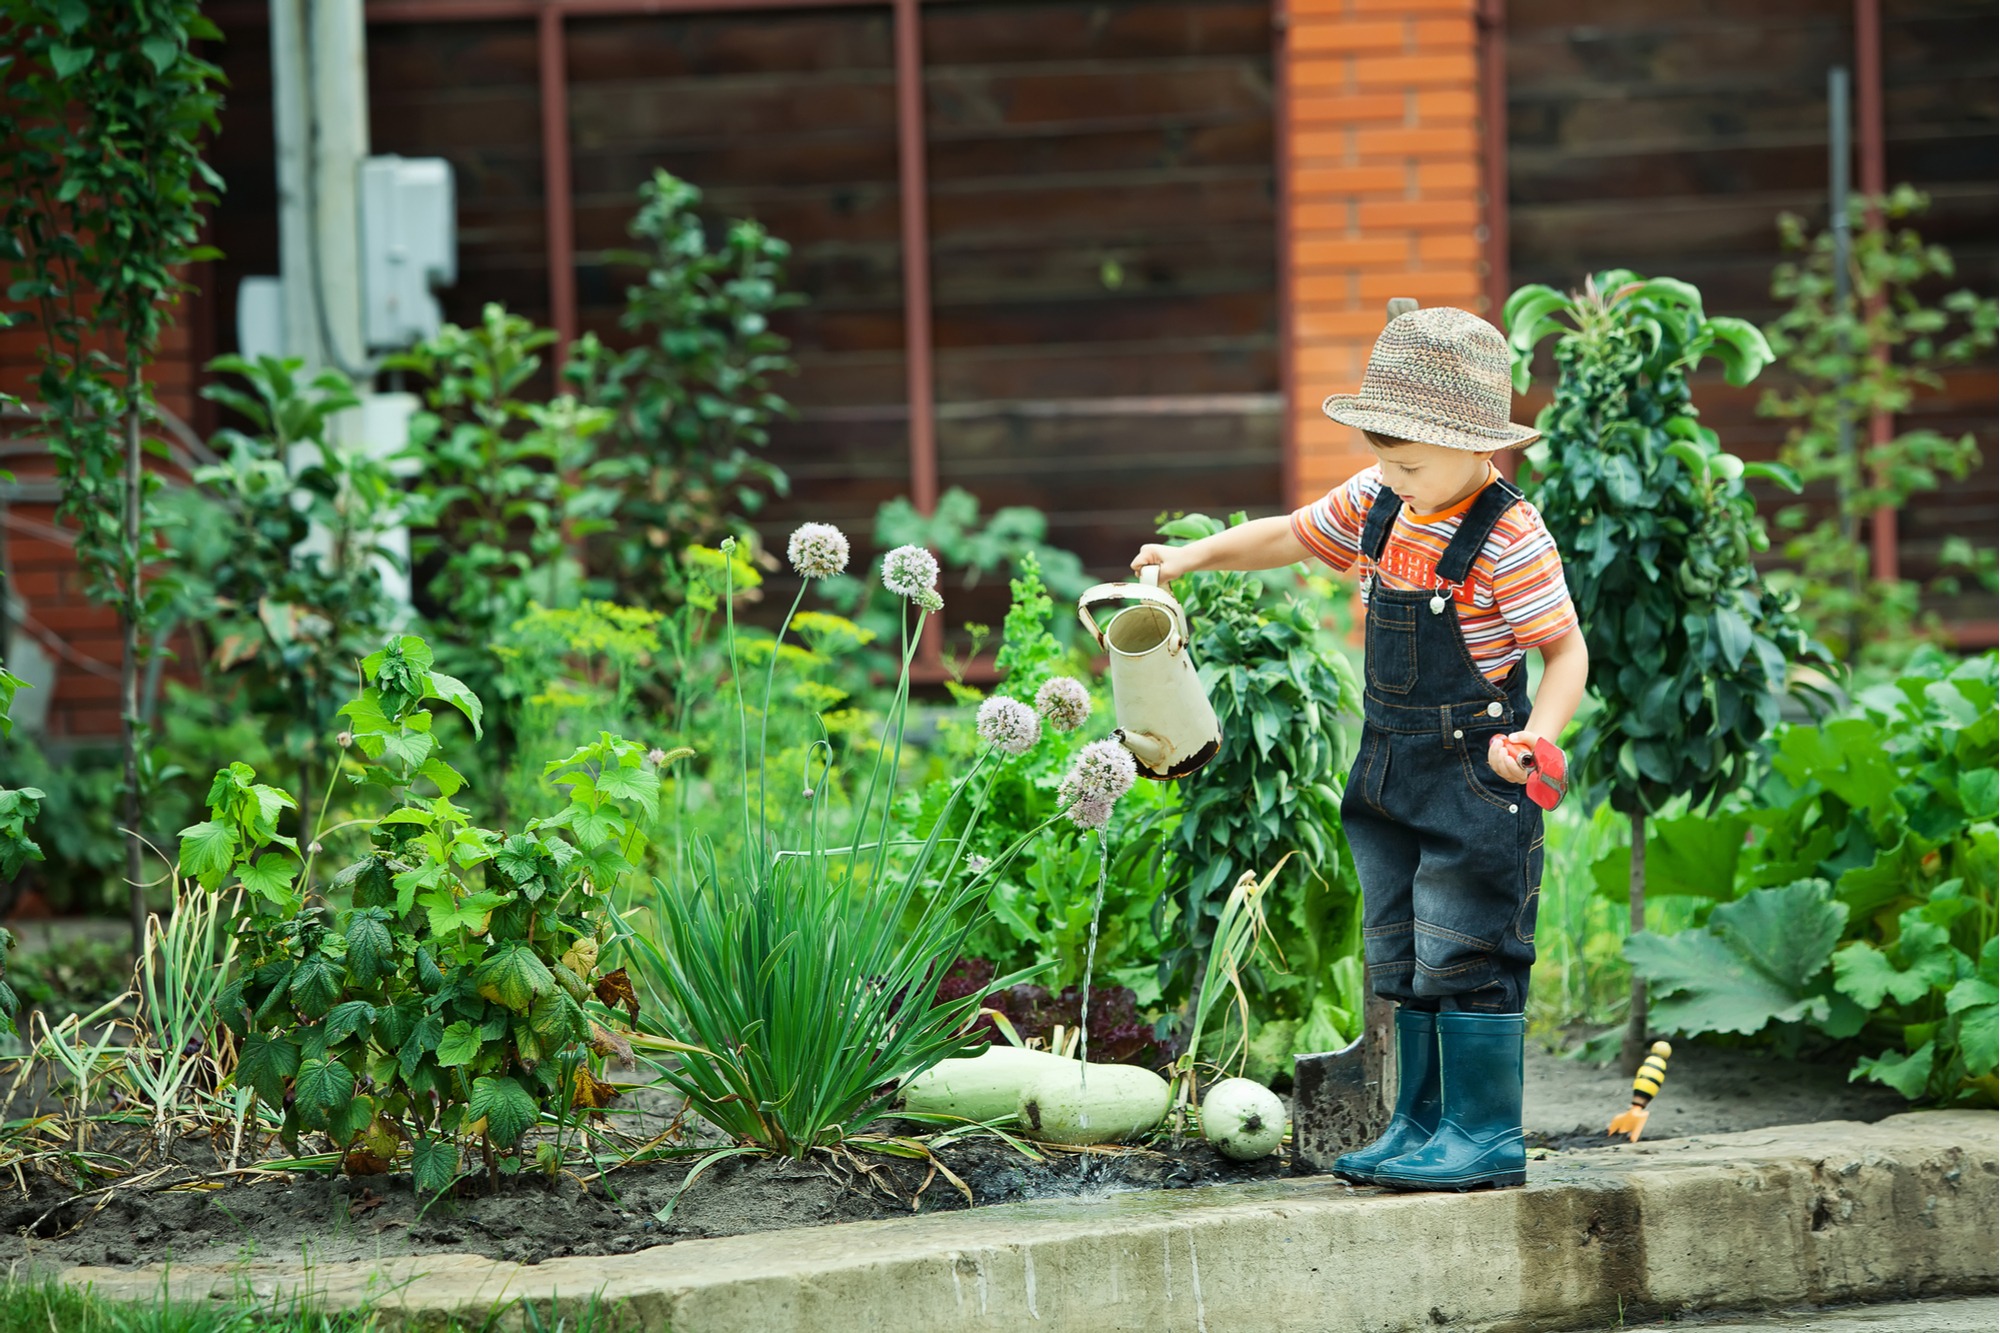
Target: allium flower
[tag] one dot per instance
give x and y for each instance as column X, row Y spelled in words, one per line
column 977, row 864
column 1091, row 812
column 1064, row 701
column 931, row 600
column 817, row 550
column 1103, row 772
column 908, row 571
column 1009, row 725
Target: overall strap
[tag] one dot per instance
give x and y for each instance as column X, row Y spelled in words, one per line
column 1381, row 522
column 1478, row 524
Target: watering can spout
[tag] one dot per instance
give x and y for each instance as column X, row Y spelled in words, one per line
column 1148, row 749
column 1164, row 717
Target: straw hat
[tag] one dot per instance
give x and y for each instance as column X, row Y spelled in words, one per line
column 1438, row 376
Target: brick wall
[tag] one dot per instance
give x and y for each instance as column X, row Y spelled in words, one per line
column 1385, row 199
column 39, row 566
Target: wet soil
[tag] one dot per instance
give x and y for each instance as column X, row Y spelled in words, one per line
column 320, row 1219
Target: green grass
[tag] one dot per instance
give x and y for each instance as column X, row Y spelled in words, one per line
column 28, row 1306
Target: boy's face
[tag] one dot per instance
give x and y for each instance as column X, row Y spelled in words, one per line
column 1428, row 477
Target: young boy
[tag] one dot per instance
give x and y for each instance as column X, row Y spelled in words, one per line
column 1461, row 579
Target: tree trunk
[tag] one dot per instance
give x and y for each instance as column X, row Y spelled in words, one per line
column 129, row 611
column 1633, row 1049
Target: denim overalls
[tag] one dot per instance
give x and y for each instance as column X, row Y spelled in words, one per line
column 1449, row 852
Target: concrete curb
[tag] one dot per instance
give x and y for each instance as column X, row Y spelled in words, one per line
column 1795, row 1215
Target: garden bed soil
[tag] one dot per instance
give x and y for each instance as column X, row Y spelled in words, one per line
column 319, row 1219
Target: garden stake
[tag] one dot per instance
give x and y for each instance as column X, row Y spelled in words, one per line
column 1645, row 1086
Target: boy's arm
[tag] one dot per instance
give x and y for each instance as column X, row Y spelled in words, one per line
column 1265, row 543
column 1565, row 672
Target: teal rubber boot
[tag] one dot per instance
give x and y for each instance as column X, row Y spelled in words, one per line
column 1417, row 1106
column 1478, row 1142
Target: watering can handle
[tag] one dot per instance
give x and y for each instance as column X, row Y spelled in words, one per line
column 1148, row 590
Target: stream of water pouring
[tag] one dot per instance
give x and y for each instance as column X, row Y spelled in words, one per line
column 1090, row 966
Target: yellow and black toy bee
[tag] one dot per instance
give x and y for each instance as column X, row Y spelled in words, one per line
column 1645, row 1086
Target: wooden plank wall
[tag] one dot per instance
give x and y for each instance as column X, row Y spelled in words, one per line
column 1668, row 137
column 1102, row 213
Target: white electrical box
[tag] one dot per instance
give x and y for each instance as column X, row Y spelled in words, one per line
column 409, row 246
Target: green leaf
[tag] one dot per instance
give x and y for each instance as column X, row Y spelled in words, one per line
column 162, row 51
column 315, row 984
column 369, row 946
column 1865, row 975
column 459, row 1045
column 557, row 1019
column 1908, row 1074
column 66, row 61
column 424, row 1039
column 1751, row 965
column 271, row 878
column 505, row 1106
column 264, row 1063
column 344, row 1020
column 513, row 978
column 1973, row 1002
column 450, row 782
column 1692, row 855
column 449, row 912
column 207, row 849
column 322, row 1087
column 433, row 1165
column 1741, row 347
column 455, row 692
column 1777, row 474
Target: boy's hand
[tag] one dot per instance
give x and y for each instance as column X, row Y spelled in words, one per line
column 1504, row 755
column 1172, row 561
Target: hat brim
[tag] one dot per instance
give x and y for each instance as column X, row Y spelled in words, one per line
column 1351, row 409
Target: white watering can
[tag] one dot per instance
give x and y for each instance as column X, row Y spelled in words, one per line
column 1164, row 717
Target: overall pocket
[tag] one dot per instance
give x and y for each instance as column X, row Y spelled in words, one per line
column 1392, row 646
column 1531, row 870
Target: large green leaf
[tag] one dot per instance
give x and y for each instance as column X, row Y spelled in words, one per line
column 459, row 1045
column 433, row 1165
column 514, row 977
column 1908, row 1074
column 1754, row 963
column 1693, row 855
column 369, row 947
column 265, row 1062
column 315, row 984
column 505, row 1106
column 207, row 849
column 322, row 1088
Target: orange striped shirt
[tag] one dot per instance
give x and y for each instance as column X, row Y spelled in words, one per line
column 1514, row 599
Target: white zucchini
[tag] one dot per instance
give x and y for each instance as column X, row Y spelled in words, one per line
column 1243, row 1119
column 1114, row 1102
column 983, row 1087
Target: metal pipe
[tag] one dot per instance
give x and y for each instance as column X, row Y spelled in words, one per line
column 913, row 193
column 551, row 54
column 1492, row 18
column 1839, row 154
column 1281, row 169
column 914, row 196
column 1874, row 183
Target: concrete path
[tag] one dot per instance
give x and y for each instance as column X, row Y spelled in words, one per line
column 1801, row 1215
column 1980, row 1314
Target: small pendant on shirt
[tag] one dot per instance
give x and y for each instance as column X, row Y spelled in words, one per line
column 1437, row 604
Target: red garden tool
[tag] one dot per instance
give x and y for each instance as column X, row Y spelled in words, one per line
column 1548, row 771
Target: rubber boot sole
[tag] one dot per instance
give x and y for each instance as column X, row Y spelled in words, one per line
column 1498, row 1180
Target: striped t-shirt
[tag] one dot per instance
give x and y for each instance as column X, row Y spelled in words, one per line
column 1513, row 600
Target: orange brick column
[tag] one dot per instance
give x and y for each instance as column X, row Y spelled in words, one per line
column 1381, row 143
